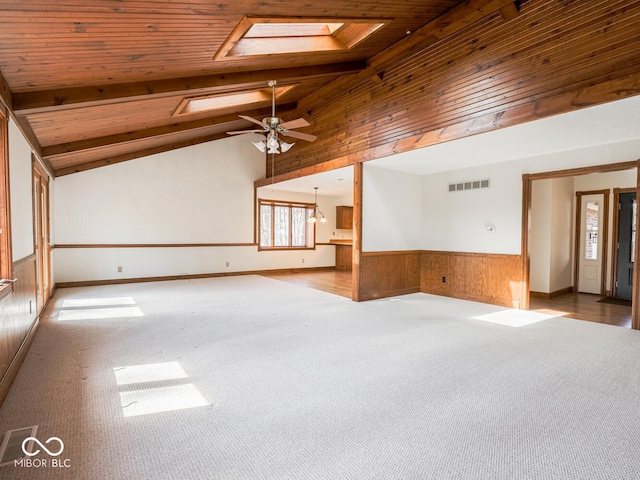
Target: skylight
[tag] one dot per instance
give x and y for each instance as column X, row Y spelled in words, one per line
column 274, row 36
column 220, row 101
column 270, row 30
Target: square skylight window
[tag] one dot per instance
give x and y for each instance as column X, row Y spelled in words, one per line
column 274, row 36
column 219, row 101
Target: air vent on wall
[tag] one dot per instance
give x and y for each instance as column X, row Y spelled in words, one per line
column 469, row 185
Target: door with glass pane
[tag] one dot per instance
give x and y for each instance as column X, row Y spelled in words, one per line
column 591, row 243
column 625, row 245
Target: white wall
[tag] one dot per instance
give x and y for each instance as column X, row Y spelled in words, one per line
column 21, row 193
column 551, row 245
column 391, row 210
column 561, row 252
column 199, row 194
column 204, row 194
column 456, row 222
column 459, row 221
column 540, row 248
column 600, row 181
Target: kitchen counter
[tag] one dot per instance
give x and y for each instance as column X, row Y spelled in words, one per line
column 341, row 241
column 343, row 252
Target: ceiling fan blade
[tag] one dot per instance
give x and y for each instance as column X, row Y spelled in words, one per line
column 238, row 132
column 253, row 120
column 301, row 136
column 297, row 123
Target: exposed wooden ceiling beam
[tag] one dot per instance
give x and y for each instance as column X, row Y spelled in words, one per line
column 45, row 101
column 446, row 24
column 52, row 151
column 5, row 93
column 138, row 154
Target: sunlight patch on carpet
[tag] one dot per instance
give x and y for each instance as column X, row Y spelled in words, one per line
column 514, row 318
column 99, row 313
column 163, row 399
column 153, row 372
column 97, row 302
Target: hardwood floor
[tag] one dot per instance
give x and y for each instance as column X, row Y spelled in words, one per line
column 584, row 306
column 580, row 306
column 332, row 281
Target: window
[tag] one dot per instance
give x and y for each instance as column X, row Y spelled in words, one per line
column 284, row 225
column 591, row 244
column 278, row 36
column 220, row 101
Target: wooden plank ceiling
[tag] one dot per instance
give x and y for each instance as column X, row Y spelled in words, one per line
column 95, row 82
column 92, row 82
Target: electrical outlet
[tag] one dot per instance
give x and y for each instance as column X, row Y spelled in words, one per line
column 226, row 264
column 444, row 279
column 119, row 269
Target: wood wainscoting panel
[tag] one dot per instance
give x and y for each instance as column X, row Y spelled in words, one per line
column 387, row 274
column 482, row 277
column 18, row 322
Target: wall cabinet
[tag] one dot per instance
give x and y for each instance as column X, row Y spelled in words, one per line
column 344, row 217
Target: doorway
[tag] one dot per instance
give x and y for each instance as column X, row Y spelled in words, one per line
column 624, row 254
column 622, row 173
column 592, row 209
column 41, row 236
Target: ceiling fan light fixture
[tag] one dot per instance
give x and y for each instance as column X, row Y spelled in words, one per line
column 272, row 126
column 260, row 146
column 284, row 146
column 272, row 141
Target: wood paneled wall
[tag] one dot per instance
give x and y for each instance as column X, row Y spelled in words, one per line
column 554, row 57
column 17, row 322
column 387, row 274
column 482, row 277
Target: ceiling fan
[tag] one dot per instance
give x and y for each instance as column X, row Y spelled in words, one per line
column 273, row 126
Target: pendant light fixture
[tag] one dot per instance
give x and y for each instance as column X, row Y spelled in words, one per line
column 317, row 215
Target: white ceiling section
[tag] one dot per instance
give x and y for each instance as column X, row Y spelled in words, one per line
column 334, row 183
column 610, row 123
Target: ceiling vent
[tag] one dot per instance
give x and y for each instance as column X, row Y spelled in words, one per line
column 470, row 185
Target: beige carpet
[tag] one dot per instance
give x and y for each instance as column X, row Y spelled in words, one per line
column 252, row 378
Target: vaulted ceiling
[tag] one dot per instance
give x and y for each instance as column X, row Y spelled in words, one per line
column 99, row 81
column 96, row 82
